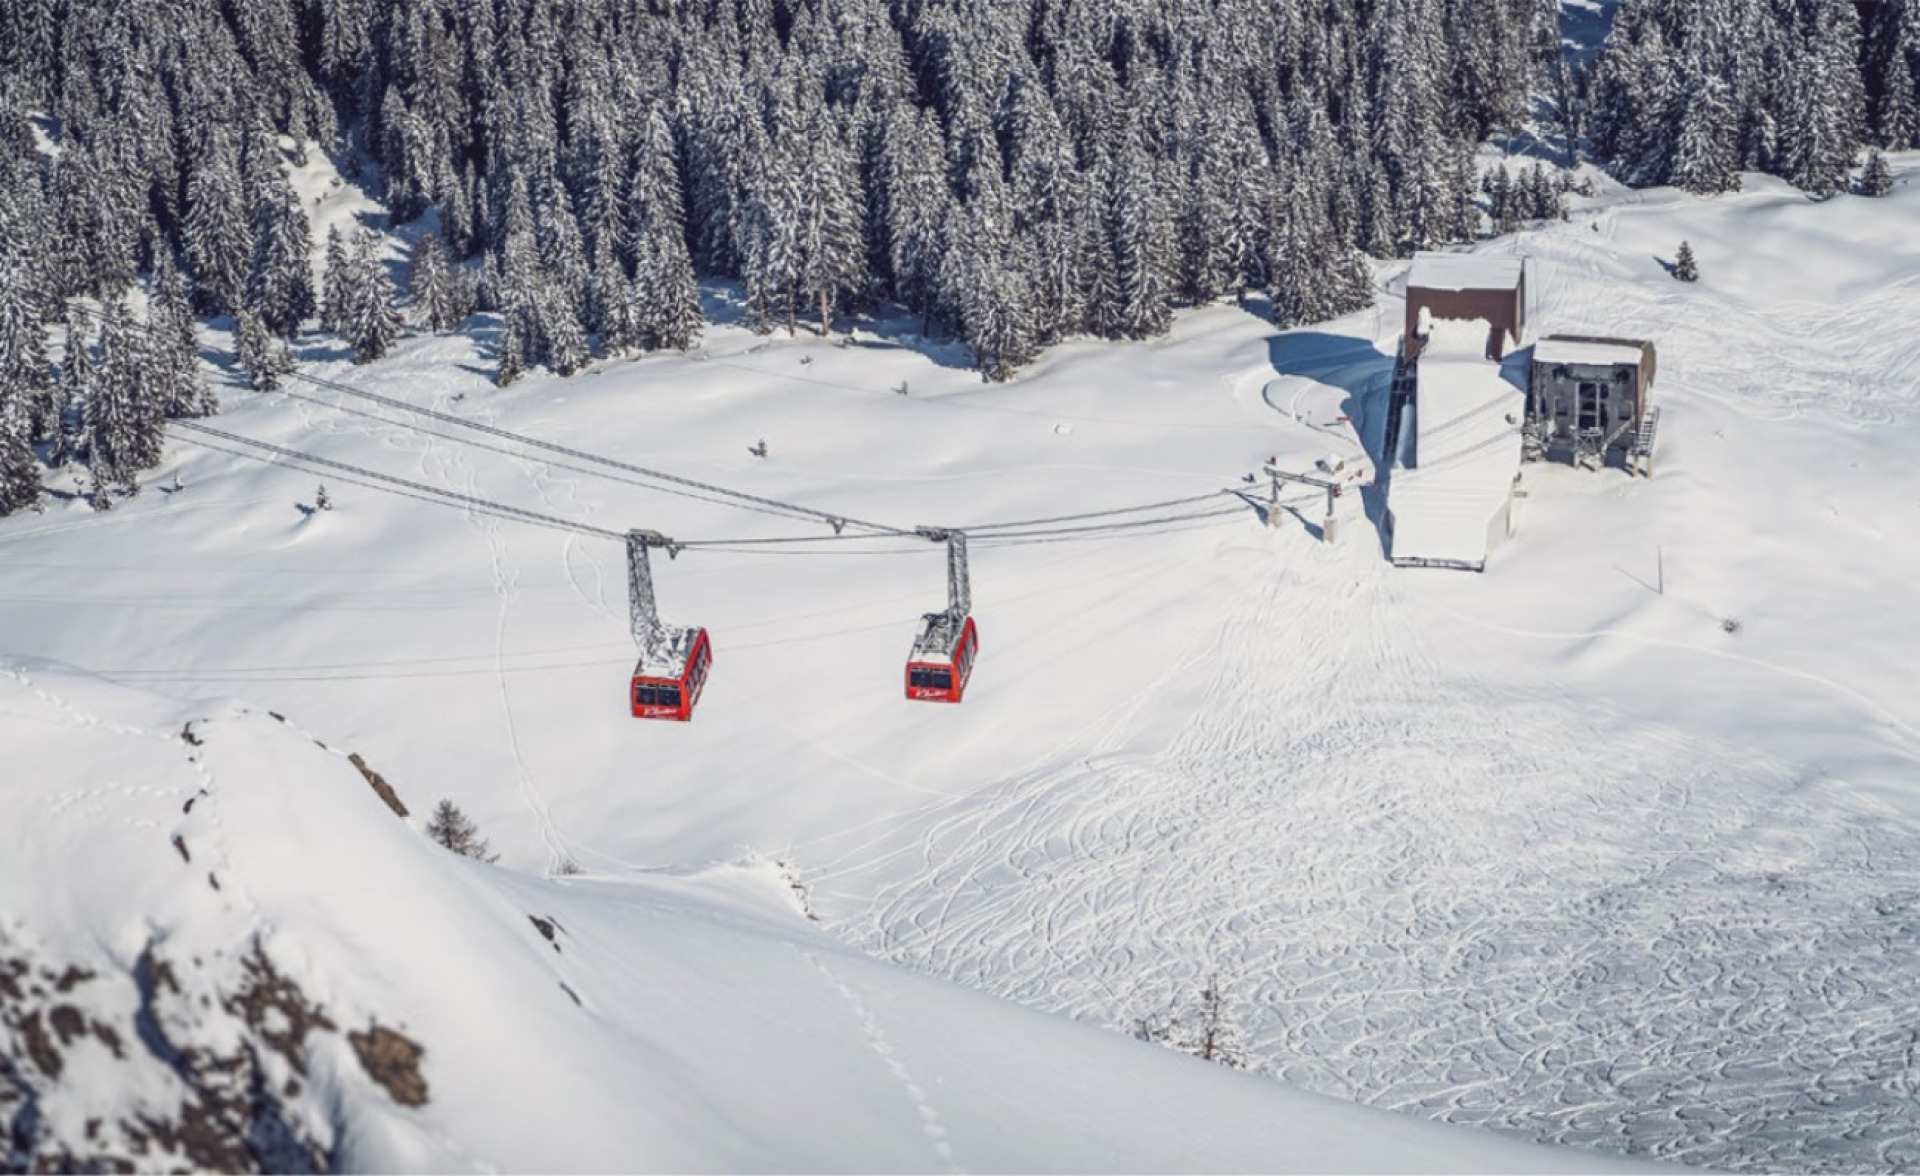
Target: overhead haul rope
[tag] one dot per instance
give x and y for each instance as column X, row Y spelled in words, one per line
column 560, row 465
column 237, row 445
column 768, row 505
column 1004, row 533
column 419, row 489
column 836, row 520
column 739, row 497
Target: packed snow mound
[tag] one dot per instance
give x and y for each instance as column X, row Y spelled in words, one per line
column 222, row 948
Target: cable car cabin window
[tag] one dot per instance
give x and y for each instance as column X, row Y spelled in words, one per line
column 657, row 696
column 931, row 679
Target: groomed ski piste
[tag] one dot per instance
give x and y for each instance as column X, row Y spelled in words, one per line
column 1611, row 846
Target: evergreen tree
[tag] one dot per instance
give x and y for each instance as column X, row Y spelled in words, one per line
column 25, row 389
column 218, row 230
column 1141, row 233
column 335, row 279
column 453, row 829
column 996, row 317
column 512, row 352
column 1876, row 179
column 70, row 395
column 265, row 359
column 173, row 347
column 123, row 419
column 25, row 375
column 1893, row 73
column 1684, row 266
column 831, row 242
column 20, row 485
column 1704, row 157
column 439, row 302
column 372, row 320
column 662, row 299
column 280, row 287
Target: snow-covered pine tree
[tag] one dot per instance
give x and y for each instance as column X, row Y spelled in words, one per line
column 662, row 299
column 20, row 485
column 334, row 280
column 372, row 320
column 918, row 205
column 1685, row 268
column 25, row 374
column 123, row 419
column 70, row 393
column 563, row 257
column 1209, row 261
column 280, row 287
column 25, row 389
column 438, row 302
column 1876, row 178
column 832, row 244
column 1826, row 105
column 985, row 281
column 1498, row 185
column 510, row 351
column 1892, row 61
column 1704, row 159
column 218, row 232
column 262, row 356
column 767, row 228
column 173, row 346
column 1141, row 233
column 1349, row 282
column 563, row 341
column 606, row 290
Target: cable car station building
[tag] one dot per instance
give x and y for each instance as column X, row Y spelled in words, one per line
column 1590, row 400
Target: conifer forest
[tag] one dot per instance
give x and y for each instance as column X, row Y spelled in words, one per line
column 1011, row 172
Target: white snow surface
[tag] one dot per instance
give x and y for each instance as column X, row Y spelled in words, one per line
column 1547, row 850
column 1585, row 351
column 1465, row 271
column 673, row 1022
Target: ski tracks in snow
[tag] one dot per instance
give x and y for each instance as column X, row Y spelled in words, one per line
column 1486, row 902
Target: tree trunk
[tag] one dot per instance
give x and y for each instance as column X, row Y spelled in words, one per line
column 826, row 314
column 793, row 311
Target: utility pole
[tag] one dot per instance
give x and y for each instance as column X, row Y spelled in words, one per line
column 1329, row 528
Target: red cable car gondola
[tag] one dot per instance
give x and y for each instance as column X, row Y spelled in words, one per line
column 672, row 670
column 942, row 660
column 668, row 683
column 944, row 652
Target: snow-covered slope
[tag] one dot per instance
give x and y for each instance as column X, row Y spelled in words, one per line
column 1549, row 849
column 220, row 948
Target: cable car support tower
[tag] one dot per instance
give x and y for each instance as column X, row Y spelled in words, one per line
column 1329, row 528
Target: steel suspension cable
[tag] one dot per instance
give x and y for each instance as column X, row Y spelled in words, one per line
column 561, row 465
column 597, row 459
column 741, row 496
column 418, row 489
